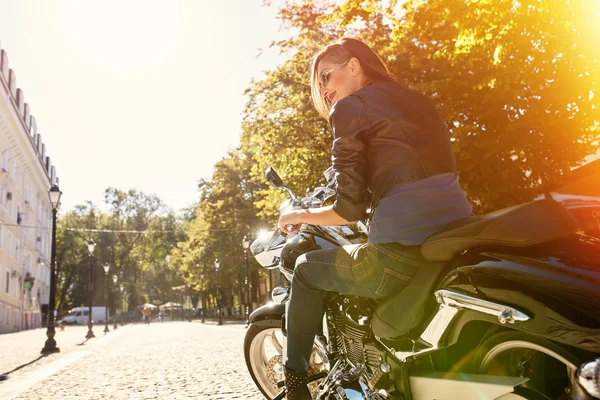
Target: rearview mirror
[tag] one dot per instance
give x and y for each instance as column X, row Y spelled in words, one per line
column 273, row 178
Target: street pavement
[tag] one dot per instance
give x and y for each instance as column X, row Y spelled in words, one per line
column 170, row 360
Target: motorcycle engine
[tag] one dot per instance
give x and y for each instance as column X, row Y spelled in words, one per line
column 352, row 319
column 348, row 322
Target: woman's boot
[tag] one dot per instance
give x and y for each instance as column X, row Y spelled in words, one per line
column 296, row 385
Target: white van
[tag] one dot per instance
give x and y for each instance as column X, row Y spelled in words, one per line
column 79, row 316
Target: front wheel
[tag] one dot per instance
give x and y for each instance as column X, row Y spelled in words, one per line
column 263, row 351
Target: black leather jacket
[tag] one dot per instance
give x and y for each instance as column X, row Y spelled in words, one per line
column 384, row 135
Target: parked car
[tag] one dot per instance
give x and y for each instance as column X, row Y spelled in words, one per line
column 80, row 315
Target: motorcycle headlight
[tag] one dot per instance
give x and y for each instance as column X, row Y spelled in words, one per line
column 588, row 377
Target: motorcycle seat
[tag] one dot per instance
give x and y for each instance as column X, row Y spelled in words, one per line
column 514, row 227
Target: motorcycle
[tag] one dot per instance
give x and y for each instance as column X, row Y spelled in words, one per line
column 510, row 311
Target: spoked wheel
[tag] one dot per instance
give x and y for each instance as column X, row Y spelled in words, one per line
column 548, row 367
column 263, row 351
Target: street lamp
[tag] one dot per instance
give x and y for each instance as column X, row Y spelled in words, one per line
column 246, row 246
column 217, row 265
column 115, row 278
column 183, row 287
column 202, row 312
column 122, row 287
column 106, row 268
column 50, row 346
column 91, row 246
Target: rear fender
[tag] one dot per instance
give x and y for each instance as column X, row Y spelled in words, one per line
column 269, row 312
column 563, row 302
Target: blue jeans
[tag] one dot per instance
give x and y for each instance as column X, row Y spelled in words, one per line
column 366, row 270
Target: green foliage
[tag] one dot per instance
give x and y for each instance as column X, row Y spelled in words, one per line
column 517, row 82
column 134, row 237
column 226, row 213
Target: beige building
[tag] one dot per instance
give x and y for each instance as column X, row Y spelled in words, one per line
column 26, row 175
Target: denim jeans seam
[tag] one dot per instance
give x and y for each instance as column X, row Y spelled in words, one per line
column 354, row 273
column 382, row 283
column 397, row 275
column 395, row 257
column 327, row 263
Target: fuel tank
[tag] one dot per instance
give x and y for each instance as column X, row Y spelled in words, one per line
column 558, row 283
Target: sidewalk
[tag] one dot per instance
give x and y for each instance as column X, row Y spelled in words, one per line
column 21, row 348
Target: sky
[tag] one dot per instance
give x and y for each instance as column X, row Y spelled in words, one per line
column 137, row 94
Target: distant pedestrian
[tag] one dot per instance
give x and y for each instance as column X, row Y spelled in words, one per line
column 147, row 315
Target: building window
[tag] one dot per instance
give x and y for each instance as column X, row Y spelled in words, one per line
column 9, row 204
column 7, row 282
column 5, row 160
column 9, row 243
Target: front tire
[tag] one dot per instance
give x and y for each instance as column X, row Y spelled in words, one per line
column 263, row 352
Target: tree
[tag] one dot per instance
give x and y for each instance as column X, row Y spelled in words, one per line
column 72, row 256
column 134, row 237
column 226, row 213
column 515, row 81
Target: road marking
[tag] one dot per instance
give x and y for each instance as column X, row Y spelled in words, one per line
column 11, row 388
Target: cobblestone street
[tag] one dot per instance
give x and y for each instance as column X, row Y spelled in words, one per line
column 171, row 360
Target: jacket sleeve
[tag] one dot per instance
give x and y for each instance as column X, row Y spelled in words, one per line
column 350, row 128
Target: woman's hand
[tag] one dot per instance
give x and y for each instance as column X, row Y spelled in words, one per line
column 291, row 218
column 313, row 216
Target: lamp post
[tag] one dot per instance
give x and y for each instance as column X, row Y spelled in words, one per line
column 202, row 312
column 50, row 345
column 122, row 287
column 183, row 287
column 217, row 265
column 115, row 278
column 106, row 268
column 91, row 247
column 246, row 246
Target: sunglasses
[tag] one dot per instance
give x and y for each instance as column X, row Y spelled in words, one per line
column 324, row 76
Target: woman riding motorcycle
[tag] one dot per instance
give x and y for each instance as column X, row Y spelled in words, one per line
column 391, row 154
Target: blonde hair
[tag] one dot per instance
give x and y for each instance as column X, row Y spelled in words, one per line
column 341, row 51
